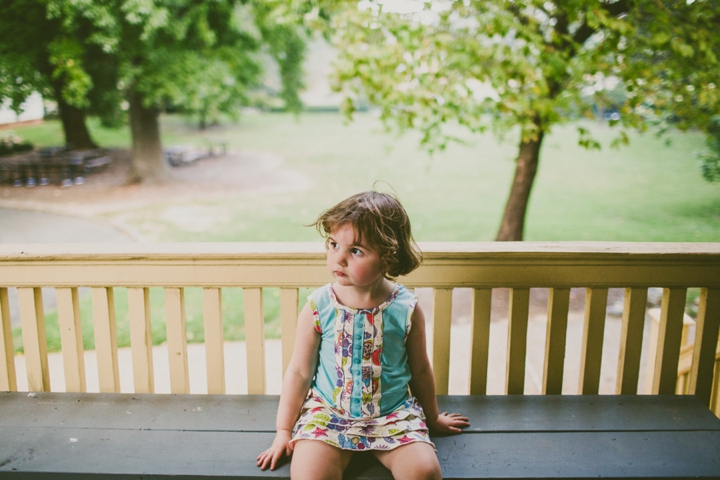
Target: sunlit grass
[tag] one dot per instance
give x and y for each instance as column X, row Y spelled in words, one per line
column 648, row 191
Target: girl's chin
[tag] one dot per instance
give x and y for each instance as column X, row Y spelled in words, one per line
column 342, row 280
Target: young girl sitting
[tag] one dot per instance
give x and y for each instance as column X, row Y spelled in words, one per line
column 360, row 352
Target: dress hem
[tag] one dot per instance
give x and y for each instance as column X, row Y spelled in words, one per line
column 295, row 440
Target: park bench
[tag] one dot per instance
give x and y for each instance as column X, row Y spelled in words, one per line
column 179, row 155
column 45, row 434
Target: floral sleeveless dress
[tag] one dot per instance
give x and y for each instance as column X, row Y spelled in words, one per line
column 360, row 398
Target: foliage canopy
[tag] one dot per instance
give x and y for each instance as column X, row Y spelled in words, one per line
column 504, row 64
column 199, row 57
column 501, row 64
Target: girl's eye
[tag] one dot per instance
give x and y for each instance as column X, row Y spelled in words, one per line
column 332, row 245
column 356, row 251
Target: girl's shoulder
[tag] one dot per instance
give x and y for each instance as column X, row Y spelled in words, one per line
column 403, row 291
column 403, row 297
column 321, row 298
column 320, row 293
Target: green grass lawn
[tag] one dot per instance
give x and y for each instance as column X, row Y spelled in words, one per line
column 644, row 192
column 647, row 191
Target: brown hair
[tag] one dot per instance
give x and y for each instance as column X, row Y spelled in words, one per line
column 381, row 220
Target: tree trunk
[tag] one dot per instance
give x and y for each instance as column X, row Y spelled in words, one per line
column 77, row 135
column 148, row 161
column 513, row 221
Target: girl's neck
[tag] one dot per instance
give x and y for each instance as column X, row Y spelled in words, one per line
column 367, row 297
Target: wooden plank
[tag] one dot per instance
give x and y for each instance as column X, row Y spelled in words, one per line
column 442, row 313
column 480, row 338
column 685, row 361
column 141, row 339
column 63, row 453
column 575, row 455
column 256, row 413
column 555, row 340
column 103, row 300
column 67, row 453
column 654, row 314
column 517, row 340
column 288, row 323
column 310, row 251
column 715, row 396
column 214, row 340
column 577, row 413
column 592, row 342
column 255, row 340
column 177, row 340
column 8, row 379
column 32, row 318
column 143, row 411
column 548, row 272
column 187, row 436
column 631, row 337
column 669, row 336
column 706, row 341
column 292, row 265
column 68, row 305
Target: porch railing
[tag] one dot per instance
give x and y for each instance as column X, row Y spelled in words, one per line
column 290, row 266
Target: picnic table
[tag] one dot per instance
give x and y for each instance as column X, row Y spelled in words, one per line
column 51, row 165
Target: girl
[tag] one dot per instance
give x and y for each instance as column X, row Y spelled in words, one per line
column 360, row 351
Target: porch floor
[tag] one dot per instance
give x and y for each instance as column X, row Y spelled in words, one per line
column 63, row 436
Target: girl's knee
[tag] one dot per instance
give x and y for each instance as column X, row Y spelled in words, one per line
column 415, row 461
column 315, row 460
column 425, row 468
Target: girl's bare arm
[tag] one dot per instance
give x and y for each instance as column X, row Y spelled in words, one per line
column 422, row 383
column 296, row 384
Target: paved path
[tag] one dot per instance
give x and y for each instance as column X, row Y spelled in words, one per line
column 24, row 226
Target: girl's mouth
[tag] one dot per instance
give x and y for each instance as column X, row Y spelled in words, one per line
column 339, row 273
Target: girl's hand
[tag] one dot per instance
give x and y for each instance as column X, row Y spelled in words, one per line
column 281, row 446
column 449, row 423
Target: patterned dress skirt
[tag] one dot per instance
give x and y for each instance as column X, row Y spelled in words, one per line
column 321, row 421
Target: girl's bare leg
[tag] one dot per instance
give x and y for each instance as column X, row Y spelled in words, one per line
column 316, row 460
column 414, row 461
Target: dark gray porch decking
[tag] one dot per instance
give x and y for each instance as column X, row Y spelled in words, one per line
column 84, row 436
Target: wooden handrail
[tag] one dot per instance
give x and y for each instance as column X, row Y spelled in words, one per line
column 450, row 265
column 254, row 266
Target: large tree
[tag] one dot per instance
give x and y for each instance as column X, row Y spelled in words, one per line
column 195, row 55
column 37, row 53
column 528, row 65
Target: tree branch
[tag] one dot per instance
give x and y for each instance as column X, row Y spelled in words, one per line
column 614, row 9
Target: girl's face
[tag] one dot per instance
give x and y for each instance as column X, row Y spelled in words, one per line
column 353, row 264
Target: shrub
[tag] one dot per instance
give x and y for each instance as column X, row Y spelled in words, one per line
column 13, row 144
